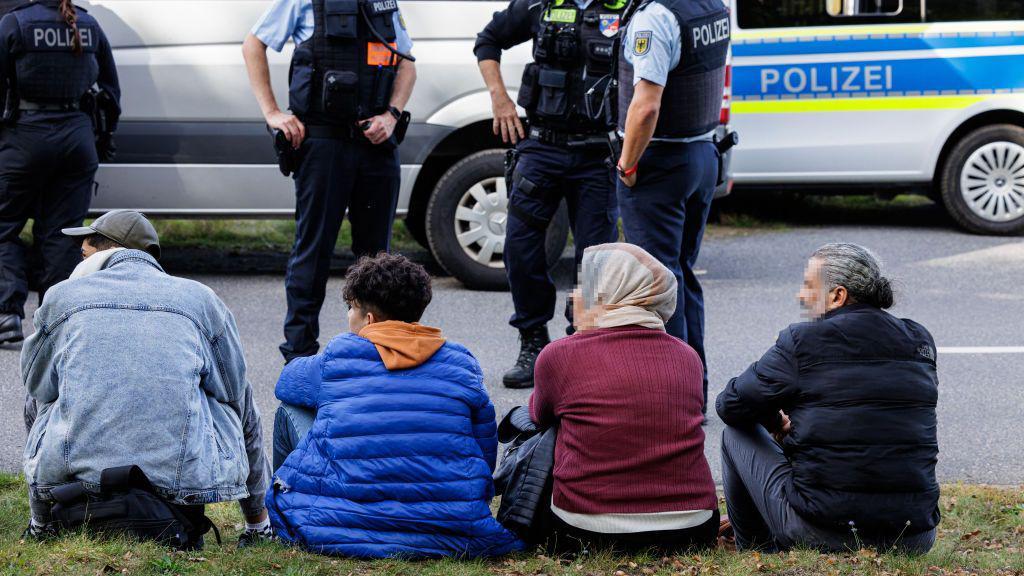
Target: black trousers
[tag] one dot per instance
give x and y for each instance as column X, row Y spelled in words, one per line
column 665, row 214
column 544, row 176
column 334, row 176
column 566, row 539
column 48, row 166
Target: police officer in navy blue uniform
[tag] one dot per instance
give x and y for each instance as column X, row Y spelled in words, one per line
column 52, row 54
column 350, row 79
column 671, row 82
column 561, row 154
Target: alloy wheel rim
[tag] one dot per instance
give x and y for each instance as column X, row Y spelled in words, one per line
column 992, row 182
column 480, row 220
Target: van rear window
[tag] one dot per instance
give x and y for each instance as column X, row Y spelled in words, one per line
column 973, row 10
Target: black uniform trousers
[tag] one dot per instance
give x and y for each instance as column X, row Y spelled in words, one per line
column 545, row 174
column 334, row 175
column 665, row 214
column 48, row 166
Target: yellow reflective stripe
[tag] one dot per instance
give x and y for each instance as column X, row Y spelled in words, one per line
column 811, row 31
column 853, row 104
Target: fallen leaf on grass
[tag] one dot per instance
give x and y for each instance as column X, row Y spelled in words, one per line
column 969, row 535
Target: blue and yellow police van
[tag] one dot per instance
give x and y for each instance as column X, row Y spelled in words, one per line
column 926, row 95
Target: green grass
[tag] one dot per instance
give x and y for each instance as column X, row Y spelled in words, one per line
column 249, row 235
column 982, row 532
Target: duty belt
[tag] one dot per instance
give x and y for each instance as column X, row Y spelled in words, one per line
column 549, row 136
column 332, row 131
column 47, row 106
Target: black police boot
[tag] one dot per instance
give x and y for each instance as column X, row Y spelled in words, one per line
column 10, row 329
column 531, row 342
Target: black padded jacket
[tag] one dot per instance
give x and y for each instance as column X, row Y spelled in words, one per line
column 860, row 388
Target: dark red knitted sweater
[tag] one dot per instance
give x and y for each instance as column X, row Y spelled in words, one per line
column 628, row 403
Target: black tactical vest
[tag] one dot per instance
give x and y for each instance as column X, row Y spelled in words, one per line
column 49, row 70
column 692, row 100
column 344, row 73
column 565, row 87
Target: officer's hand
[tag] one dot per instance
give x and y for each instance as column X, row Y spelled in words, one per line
column 380, row 129
column 629, row 181
column 506, row 120
column 293, row 129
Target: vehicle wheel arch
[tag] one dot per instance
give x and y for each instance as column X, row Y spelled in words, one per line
column 988, row 117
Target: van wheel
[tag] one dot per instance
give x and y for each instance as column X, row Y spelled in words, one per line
column 466, row 218
column 983, row 180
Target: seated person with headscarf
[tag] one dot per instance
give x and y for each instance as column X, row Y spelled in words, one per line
column 849, row 397
column 630, row 472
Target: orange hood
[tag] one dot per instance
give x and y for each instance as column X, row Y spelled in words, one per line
column 403, row 345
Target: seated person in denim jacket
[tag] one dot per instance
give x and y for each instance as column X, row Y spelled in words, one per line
column 129, row 365
column 386, row 441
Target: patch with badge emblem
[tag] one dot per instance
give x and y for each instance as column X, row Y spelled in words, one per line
column 642, row 42
column 609, row 25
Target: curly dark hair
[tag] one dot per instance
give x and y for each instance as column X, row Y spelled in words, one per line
column 390, row 286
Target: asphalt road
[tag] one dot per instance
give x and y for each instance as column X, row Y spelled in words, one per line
column 968, row 290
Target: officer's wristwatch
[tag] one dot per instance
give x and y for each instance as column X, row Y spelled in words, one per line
column 395, row 112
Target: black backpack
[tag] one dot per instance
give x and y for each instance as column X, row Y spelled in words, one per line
column 129, row 504
column 524, row 477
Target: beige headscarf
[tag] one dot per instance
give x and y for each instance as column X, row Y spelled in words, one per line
column 623, row 285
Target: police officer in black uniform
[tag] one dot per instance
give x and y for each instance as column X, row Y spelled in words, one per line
column 52, row 55
column 567, row 94
column 351, row 76
column 671, row 81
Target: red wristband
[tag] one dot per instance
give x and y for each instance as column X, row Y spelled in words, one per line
column 627, row 172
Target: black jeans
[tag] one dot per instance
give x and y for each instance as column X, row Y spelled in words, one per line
column 566, row 539
column 754, row 473
column 334, row 176
column 47, row 167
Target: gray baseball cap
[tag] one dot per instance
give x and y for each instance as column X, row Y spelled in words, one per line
column 126, row 227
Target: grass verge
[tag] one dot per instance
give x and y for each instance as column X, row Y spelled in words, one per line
column 248, row 235
column 982, row 532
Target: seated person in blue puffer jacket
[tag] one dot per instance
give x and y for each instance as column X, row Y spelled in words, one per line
column 388, row 438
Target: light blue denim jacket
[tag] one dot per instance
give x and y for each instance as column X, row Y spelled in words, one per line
column 130, row 365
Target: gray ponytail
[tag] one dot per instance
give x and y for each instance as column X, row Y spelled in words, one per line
column 858, row 270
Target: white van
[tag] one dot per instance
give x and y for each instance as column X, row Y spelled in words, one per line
column 924, row 94
column 192, row 141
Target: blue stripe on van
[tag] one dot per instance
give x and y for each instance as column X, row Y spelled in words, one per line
column 931, row 76
column 776, row 47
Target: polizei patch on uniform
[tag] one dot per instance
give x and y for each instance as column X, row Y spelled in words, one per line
column 609, row 25
column 382, row 6
column 561, row 15
column 642, row 42
column 711, row 33
column 58, row 37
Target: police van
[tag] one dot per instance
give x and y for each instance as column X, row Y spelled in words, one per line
column 192, row 141
column 919, row 94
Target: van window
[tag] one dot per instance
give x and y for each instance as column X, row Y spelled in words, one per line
column 964, row 10
column 839, row 8
column 793, row 13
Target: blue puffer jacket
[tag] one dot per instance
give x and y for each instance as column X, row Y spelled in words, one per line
column 397, row 463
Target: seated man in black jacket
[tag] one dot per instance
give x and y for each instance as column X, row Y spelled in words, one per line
column 849, row 398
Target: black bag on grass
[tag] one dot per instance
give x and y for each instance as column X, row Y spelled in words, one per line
column 129, row 504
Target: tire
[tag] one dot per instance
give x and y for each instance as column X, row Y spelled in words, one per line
column 477, row 185
column 982, row 181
